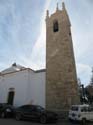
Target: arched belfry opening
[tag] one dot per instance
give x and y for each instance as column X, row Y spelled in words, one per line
column 55, row 26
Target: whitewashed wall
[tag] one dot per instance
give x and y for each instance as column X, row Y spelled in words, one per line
column 37, row 88
column 18, row 81
column 29, row 87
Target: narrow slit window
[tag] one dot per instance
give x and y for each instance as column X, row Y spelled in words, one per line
column 55, row 26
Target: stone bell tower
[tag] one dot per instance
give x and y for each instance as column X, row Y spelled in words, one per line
column 61, row 79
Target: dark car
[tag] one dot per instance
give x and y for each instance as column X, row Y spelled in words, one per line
column 6, row 110
column 35, row 112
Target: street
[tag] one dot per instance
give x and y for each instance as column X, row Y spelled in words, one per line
column 14, row 122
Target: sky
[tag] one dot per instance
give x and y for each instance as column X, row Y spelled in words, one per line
column 23, row 33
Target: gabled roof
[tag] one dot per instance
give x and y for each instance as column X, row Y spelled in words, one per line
column 13, row 68
column 17, row 68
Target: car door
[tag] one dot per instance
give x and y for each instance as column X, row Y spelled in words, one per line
column 25, row 110
column 33, row 112
column 84, row 113
column 30, row 113
column 90, row 113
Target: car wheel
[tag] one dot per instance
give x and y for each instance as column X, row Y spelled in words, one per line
column 55, row 121
column 84, row 121
column 43, row 119
column 3, row 115
column 18, row 116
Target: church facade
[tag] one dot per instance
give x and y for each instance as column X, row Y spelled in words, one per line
column 20, row 85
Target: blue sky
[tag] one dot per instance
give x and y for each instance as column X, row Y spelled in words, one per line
column 23, row 33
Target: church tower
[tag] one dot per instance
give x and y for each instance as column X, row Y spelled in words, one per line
column 61, row 79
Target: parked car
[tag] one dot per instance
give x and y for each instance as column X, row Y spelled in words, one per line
column 35, row 112
column 81, row 113
column 6, row 110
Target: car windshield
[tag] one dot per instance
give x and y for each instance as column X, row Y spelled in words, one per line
column 40, row 108
column 74, row 108
column 84, row 109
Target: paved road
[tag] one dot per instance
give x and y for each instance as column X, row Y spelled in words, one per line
column 14, row 122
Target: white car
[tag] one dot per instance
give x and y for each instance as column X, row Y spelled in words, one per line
column 81, row 113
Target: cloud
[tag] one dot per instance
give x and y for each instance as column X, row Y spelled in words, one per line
column 23, row 33
column 84, row 73
column 18, row 31
column 38, row 51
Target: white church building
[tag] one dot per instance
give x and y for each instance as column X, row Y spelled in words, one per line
column 20, row 85
column 49, row 88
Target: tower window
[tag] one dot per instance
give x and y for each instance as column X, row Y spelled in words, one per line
column 55, row 26
column 70, row 33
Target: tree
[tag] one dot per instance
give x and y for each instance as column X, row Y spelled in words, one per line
column 91, row 81
column 83, row 98
column 89, row 90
